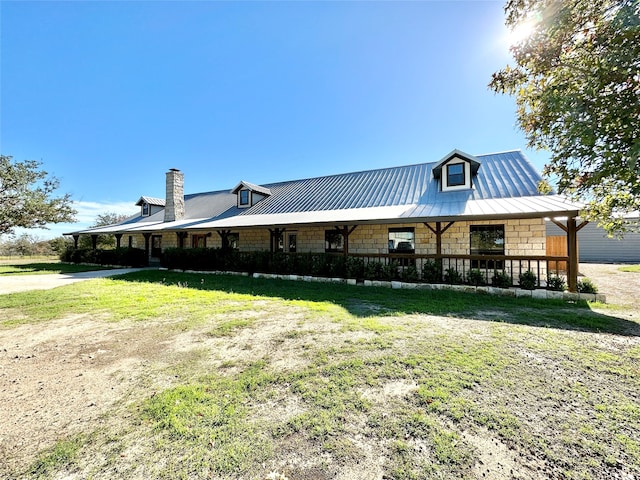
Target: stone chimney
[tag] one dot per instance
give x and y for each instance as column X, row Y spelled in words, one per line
column 174, row 205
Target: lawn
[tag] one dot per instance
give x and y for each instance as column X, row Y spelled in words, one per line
column 46, row 268
column 630, row 268
column 166, row 375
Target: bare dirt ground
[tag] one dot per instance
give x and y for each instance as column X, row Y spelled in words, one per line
column 61, row 377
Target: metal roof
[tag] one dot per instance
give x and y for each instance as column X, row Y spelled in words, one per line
column 505, row 186
column 151, row 201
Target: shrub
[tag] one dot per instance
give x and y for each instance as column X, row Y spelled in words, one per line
column 501, row 280
column 409, row 274
column 452, row 276
column 355, row 267
column 390, row 271
column 586, row 286
column 476, row 277
column 432, row 271
column 373, row 271
column 556, row 283
column 528, row 280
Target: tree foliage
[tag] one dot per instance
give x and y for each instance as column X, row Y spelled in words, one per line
column 27, row 197
column 104, row 241
column 576, row 80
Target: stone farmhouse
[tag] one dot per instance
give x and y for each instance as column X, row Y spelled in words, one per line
column 467, row 212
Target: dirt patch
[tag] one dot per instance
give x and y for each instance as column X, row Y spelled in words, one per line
column 59, row 378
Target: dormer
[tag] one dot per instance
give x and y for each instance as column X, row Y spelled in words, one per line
column 249, row 194
column 456, row 171
column 149, row 205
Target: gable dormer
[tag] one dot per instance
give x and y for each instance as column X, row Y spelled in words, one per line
column 249, row 194
column 456, row 171
column 149, row 205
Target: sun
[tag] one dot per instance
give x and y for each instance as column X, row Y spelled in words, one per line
column 520, row 32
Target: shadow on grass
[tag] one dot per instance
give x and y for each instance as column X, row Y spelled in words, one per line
column 35, row 268
column 363, row 301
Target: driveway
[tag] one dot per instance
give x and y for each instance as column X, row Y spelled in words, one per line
column 21, row 283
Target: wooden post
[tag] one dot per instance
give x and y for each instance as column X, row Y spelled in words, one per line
column 438, row 231
column 118, row 239
column 94, row 241
column 75, row 241
column 147, row 250
column 346, row 231
column 572, row 250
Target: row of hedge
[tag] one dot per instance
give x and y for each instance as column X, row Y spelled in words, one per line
column 321, row 265
column 125, row 256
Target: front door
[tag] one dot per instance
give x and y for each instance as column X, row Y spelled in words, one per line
column 156, row 246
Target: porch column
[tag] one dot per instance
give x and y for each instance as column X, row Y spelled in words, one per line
column 75, row 241
column 275, row 234
column 118, row 238
column 438, row 231
column 94, row 241
column 573, row 264
column 181, row 237
column 346, row 231
column 147, row 250
column 224, row 237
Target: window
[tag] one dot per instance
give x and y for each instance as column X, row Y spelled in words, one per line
column 145, row 209
column 333, row 241
column 402, row 240
column 198, row 240
column 244, row 197
column 487, row 240
column 455, row 175
column 293, row 242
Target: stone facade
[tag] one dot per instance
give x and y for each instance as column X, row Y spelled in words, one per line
column 174, row 208
column 524, row 237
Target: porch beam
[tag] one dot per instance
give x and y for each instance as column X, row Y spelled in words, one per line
column 438, row 231
column 118, row 239
column 75, row 241
column 560, row 225
column 94, row 241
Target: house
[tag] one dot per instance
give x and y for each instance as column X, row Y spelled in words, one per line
column 466, row 211
column 594, row 246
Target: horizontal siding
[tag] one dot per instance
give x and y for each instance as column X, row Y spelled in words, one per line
column 595, row 247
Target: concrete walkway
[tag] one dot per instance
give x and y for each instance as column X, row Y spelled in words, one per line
column 22, row 283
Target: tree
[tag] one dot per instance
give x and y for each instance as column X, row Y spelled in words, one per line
column 105, row 241
column 577, row 85
column 27, row 197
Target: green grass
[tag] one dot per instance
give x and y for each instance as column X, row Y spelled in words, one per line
column 45, row 268
column 630, row 268
column 323, row 377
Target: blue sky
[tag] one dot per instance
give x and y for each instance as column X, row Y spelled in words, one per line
column 109, row 95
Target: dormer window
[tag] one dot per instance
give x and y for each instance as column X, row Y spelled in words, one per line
column 456, row 171
column 145, row 209
column 244, row 198
column 249, row 194
column 455, row 174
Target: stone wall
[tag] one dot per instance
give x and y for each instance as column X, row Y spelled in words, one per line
column 522, row 237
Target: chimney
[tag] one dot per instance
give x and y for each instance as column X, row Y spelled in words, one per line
column 174, row 205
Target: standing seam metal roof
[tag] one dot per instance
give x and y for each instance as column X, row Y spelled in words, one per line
column 502, row 179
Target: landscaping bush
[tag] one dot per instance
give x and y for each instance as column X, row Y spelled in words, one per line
column 373, row 271
column 586, row 286
column 452, row 276
column 432, row 271
column 355, row 267
column 501, row 280
column 390, row 271
column 556, row 283
column 476, row 277
column 528, row 280
column 125, row 256
column 409, row 274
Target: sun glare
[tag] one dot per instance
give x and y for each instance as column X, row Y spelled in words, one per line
column 520, row 32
